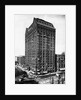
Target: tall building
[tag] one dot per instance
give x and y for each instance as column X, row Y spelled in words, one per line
column 40, row 46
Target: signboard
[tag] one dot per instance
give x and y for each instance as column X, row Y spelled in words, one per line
column 62, row 68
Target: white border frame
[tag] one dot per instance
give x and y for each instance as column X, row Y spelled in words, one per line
column 28, row 89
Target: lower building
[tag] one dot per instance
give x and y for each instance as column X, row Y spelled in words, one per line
column 21, row 60
column 60, row 61
column 60, row 65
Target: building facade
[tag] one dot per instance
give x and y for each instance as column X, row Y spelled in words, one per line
column 60, row 61
column 21, row 60
column 40, row 46
column 60, row 65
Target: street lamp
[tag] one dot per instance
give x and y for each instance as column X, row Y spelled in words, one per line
column 58, row 78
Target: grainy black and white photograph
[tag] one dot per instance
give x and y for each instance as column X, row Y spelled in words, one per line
column 39, row 48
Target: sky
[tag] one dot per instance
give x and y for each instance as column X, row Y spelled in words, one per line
column 23, row 21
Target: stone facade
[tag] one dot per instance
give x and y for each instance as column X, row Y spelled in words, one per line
column 40, row 46
column 60, row 61
column 21, row 60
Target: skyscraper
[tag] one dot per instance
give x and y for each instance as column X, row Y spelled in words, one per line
column 40, row 46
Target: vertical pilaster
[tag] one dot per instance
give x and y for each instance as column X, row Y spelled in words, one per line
column 45, row 50
column 42, row 51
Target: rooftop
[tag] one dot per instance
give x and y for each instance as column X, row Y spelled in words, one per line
column 43, row 22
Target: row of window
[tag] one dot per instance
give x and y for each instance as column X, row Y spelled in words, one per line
column 46, row 23
column 43, row 30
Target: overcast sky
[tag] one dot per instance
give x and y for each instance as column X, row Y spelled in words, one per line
column 21, row 22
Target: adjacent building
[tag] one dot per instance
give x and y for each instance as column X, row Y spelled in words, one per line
column 21, row 60
column 60, row 61
column 60, row 65
column 40, row 46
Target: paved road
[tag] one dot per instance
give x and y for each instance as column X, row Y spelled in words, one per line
column 41, row 79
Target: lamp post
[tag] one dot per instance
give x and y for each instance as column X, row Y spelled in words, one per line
column 58, row 78
column 52, row 80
